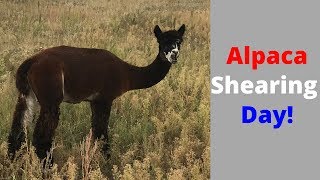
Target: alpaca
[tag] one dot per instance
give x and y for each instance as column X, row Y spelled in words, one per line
column 72, row 75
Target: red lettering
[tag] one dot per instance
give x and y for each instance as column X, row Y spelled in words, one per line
column 273, row 57
column 247, row 54
column 234, row 55
column 301, row 57
column 258, row 57
column 284, row 57
column 255, row 60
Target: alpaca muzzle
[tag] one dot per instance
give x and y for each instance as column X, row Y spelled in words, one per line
column 174, row 57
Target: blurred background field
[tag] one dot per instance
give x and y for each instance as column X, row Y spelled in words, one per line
column 157, row 133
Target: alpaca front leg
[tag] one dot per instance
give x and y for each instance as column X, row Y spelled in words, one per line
column 100, row 119
column 45, row 129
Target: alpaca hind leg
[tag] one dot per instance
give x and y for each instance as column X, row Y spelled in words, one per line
column 22, row 115
column 100, row 120
column 47, row 84
column 45, row 129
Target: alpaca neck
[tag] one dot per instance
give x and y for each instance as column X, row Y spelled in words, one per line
column 145, row 77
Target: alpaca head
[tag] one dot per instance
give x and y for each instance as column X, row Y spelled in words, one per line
column 169, row 43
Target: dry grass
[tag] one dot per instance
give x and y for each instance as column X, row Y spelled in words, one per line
column 158, row 133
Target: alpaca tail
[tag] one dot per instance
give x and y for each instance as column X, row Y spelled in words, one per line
column 23, row 111
column 22, row 83
column 17, row 134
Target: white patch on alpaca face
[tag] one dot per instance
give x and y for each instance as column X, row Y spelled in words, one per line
column 176, row 50
column 168, row 56
column 173, row 55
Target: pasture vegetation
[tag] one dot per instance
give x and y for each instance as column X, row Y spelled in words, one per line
column 156, row 133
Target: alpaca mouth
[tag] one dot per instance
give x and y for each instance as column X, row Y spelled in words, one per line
column 174, row 58
column 174, row 61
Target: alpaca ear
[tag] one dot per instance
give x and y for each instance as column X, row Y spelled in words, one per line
column 157, row 31
column 182, row 29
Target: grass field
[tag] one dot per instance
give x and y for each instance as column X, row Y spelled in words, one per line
column 157, row 133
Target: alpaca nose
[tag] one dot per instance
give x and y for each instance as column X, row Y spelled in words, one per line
column 175, row 52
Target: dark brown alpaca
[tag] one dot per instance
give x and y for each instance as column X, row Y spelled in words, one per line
column 70, row 74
